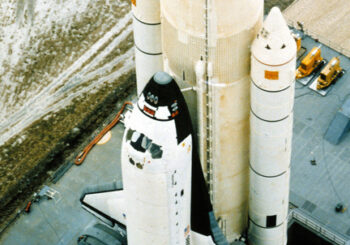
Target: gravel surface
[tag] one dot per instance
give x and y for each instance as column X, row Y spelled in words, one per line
column 326, row 20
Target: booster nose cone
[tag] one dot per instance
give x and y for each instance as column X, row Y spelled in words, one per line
column 275, row 22
column 162, row 78
column 274, row 44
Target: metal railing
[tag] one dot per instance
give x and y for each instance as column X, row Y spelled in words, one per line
column 316, row 227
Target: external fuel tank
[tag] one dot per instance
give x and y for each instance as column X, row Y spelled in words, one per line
column 214, row 38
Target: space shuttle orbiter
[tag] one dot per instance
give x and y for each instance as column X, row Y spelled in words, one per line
column 164, row 199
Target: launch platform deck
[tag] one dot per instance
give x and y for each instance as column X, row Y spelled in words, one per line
column 316, row 189
column 63, row 222
column 316, row 186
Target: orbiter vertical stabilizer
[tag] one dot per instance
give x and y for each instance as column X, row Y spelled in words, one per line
column 271, row 122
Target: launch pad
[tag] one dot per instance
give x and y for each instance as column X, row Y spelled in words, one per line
column 315, row 188
column 312, row 186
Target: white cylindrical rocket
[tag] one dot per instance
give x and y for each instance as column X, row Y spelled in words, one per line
column 273, row 65
column 147, row 38
column 206, row 44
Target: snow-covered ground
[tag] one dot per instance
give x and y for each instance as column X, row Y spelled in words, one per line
column 52, row 51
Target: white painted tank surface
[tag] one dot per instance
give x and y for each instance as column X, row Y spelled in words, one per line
column 271, row 122
column 147, row 38
column 220, row 33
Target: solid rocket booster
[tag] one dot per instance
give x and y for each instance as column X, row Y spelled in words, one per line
column 273, row 65
column 147, row 38
column 214, row 38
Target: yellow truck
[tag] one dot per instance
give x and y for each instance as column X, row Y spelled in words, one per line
column 311, row 63
column 300, row 49
column 330, row 74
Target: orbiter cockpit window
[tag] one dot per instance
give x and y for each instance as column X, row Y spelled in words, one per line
column 129, row 134
column 156, row 152
column 136, row 141
column 135, row 136
column 141, row 143
column 146, row 142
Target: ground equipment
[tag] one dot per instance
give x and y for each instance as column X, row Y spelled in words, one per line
column 330, row 74
column 311, row 63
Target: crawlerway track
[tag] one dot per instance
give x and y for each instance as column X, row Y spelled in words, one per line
column 63, row 89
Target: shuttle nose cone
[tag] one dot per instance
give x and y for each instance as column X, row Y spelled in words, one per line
column 162, row 78
column 162, row 98
column 161, row 90
column 274, row 44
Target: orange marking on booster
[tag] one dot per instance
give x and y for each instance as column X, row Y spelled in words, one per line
column 271, row 75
